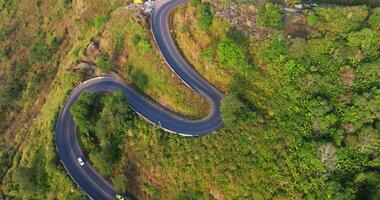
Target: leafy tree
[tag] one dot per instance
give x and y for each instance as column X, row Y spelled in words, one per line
column 233, row 111
column 367, row 76
column 297, row 49
column 369, row 183
column 339, row 20
column 101, row 161
column 32, row 180
column 367, row 40
column 230, row 54
column 349, row 163
column 366, row 141
column 274, row 49
column 3, row 33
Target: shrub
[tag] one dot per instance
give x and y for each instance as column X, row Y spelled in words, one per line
column 312, row 19
column 270, row 14
column 3, row 33
column 100, row 21
column 205, row 16
column 374, row 19
column 195, row 3
column 230, row 54
column 103, row 62
column 273, row 13
column 142, row 44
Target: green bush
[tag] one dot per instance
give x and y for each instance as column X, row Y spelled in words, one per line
column 103, row 62
column 230, row 54
column 312, row 19
column 271, row 15
column 195, row 3
column 142, row 44
column 205, row 16
column 100, row 21
column 3, row 33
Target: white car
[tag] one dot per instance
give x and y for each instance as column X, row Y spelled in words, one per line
column 81, row 162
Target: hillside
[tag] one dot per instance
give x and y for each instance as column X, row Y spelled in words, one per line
column 301, row 113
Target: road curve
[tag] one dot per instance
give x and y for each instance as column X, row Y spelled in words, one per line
column 66, row 139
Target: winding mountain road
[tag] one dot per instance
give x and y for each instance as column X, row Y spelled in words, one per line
column 66, row 138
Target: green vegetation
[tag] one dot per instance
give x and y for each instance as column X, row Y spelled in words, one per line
column 100, row 21
column 230, row 54
column 103, row 62
column 37, row 55
column 301, row 113
column 134, row 57
column 339, row 21
column 204, row 14
column 269, row 15
column 304, row 116
column 102, row 121
column 142, row 45
column 373, row 3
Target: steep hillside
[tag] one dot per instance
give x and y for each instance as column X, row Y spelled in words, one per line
column 302, row 117
column 41, row 44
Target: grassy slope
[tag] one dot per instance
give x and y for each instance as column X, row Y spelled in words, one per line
column 147, row 70
column 192, row 41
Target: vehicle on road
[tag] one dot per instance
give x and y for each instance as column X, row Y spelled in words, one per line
column 80, row 160
column 92, row 183
column 119, row 197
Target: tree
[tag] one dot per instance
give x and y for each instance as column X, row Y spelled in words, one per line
column 231, row 55
column 103, row 121
column 233, row 111
column 367, row 40
column 367, row 76
column 349, row 162
column 366, row 141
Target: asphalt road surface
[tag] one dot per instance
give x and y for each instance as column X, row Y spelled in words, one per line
column 66, row 139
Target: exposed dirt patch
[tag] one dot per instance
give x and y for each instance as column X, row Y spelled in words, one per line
column 347, row 76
